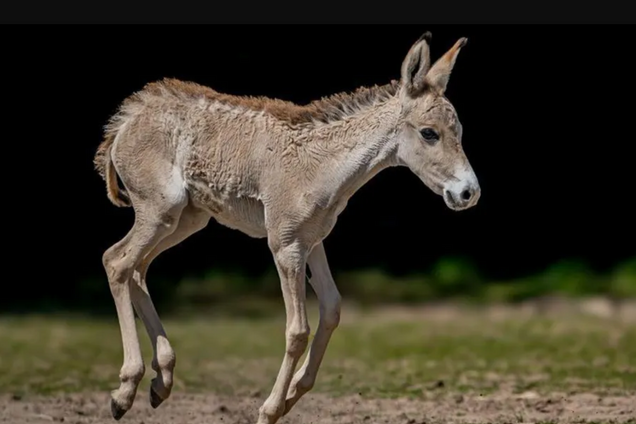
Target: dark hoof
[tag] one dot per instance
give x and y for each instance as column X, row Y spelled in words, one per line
column 116, row 410
column 155, row 400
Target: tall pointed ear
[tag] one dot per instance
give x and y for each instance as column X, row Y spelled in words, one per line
column 439, row 73
column 415, row 66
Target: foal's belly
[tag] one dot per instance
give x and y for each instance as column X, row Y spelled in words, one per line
column 244, row 214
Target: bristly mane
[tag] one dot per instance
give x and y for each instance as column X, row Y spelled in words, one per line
column 340, row 105
column 325, row 110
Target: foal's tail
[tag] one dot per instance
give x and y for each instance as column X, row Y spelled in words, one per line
column 104, row 166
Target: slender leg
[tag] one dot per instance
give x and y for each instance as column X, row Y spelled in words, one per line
column 164, row 359
column 120, row 261
column 329, row 304
column 290, row 262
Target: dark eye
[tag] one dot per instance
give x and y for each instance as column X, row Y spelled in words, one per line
column 429, row 134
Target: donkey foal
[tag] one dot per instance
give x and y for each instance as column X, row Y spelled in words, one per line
column 271, row 169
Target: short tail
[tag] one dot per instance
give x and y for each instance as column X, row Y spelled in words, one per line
column 105, row 168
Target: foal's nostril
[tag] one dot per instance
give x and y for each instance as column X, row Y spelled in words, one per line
column 466, row 194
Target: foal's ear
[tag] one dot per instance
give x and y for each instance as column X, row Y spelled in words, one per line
column 439, row 73
column 415, row 66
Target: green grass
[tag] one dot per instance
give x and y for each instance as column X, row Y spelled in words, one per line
column 374, row 354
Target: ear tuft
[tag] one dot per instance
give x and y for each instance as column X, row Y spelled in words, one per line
column 427, row 36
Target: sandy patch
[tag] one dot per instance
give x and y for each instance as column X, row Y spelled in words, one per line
column 320, row 409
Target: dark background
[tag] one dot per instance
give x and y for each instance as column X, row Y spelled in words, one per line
column 547, row 114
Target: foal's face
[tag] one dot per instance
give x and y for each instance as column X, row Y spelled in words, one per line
column 430, row 132
column 430, row 145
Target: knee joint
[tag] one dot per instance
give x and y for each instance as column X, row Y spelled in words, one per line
column 297, row 341
column 330, row 315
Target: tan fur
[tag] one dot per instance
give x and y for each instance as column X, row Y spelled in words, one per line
column 186, row 154
column 325, row 110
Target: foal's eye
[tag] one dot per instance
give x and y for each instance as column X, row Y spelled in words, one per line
column 429, row 134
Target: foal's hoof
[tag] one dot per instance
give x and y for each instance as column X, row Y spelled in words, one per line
column 155, row 400
column 116, row 410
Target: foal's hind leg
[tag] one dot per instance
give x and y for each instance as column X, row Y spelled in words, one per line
column 152, row 223
column 164, row 359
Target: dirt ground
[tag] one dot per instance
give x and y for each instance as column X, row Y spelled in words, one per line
column 319, row 409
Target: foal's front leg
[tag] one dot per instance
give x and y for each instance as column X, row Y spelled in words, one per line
column 329, row 304
column 290, row 261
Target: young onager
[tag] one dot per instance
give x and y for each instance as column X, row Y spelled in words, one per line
column 185, row 153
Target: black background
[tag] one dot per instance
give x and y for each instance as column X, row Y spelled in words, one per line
column 548, row 127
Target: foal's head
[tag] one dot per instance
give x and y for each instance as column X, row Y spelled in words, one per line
column 429, row 135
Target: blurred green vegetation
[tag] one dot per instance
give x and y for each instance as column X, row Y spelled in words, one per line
column 449, row 279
